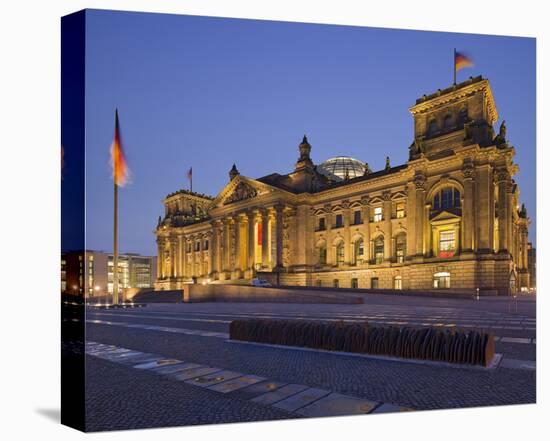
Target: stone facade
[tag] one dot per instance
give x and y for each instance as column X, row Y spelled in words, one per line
column 448, row 218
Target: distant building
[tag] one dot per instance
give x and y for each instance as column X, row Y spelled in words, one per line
column 450, row 217
column 90, row 273
column 532, row 264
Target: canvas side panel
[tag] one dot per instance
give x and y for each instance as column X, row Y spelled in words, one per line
column 72, row 219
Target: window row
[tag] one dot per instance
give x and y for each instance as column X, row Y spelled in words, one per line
column 358, row 254
column 357, row 218
column 441, row 280
column 197, row 246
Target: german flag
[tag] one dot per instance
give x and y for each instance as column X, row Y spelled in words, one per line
column 118, row 158
column 462, row 61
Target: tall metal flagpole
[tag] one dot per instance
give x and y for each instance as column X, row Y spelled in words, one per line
column 115, row 245
column 116, row 158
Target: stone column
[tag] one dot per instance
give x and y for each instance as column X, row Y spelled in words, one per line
column 328, row 224
column 171, row 245
column 183, row 248
column 365, row 215
column 237, row 267
column 279, row 236
column 502, row 181
column 386, row 210
column 420, row 183
column 160, row 258
column 484, row 212
column 468, row 206
column 347, row 233
column 218, row 248
column 427, row 230
column 210, row 237
column 509, row 213
column 251, row 258
column 227, row 245
column 265, row 240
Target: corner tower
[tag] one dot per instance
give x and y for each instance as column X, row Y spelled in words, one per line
column 462, row 114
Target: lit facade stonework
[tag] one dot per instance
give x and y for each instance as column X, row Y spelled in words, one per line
column 448, row 218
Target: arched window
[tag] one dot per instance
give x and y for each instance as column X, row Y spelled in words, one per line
column 379, row 249
column 340, row 253
column 322, row 253
column 400, row 247
column 448, row 197
column 358, row 250
column 448, row 121
column 463, row 116
column 432, row 127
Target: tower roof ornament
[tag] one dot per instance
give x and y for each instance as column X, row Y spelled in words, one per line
column 304, row 161
column 233, row 173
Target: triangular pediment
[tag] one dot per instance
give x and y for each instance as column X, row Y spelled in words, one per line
column 445, row 215
column 241, row 189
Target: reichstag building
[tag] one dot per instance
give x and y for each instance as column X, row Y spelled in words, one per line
column 450, row 218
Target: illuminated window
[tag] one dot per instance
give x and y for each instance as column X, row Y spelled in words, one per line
column 339, row 221
column 442, row 280
column 400, row 247
column 379, row 249
column 323, row 254
column 446, row 243
column 400, row 210
column 377, row 214
column 397, row 282
column 340, row 253
column 359, row 250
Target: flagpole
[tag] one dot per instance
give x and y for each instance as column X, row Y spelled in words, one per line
column 115, row 246
column 454, row 66
column 115, row 212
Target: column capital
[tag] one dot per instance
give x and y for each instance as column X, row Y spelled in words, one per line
column 419, row 181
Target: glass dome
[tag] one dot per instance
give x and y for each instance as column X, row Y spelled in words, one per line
column 342, row 168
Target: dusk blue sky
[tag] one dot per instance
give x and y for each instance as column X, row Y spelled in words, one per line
column 208, row 92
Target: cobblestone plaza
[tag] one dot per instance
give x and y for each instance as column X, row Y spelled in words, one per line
column 174, row 365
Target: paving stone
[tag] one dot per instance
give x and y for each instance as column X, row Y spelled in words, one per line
column 279, row 394
column 515, row 340
column 157, row 363
column 175, row 368
column 518, row 364
column 236, row 383
column 337, row 404
column 196, row 372
column 301, row 399
column 259, row 388
column 214, row 378
column 388, row 408
column 139, row 359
